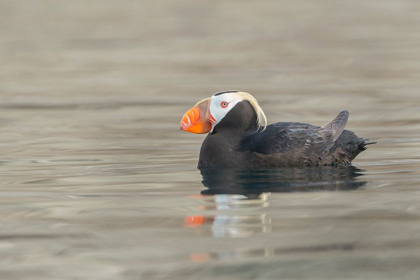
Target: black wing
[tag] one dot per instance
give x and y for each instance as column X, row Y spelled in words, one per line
column 338, row 124
column 305, row 138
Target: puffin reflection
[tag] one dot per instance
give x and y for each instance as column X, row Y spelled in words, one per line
column 251, row 183
column 232, row 193
column 234, row 218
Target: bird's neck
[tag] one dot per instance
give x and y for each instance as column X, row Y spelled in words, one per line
column 219, row 147
column 239, row 122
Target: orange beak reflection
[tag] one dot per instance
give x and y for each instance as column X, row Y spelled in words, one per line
column 196, row 120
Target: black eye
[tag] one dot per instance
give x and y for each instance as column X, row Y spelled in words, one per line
column 224, row 104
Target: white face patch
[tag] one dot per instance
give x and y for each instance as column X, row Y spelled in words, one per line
column 220, row 105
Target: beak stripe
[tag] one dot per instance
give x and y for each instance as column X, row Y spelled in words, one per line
column 212, row 119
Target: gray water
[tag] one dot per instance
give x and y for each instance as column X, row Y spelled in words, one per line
column 98, row 182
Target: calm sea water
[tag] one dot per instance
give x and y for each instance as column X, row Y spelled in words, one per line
column 98, row 182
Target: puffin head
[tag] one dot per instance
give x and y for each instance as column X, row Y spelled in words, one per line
column 209, row 112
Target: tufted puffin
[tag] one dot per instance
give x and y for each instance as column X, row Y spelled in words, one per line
column 239, row 137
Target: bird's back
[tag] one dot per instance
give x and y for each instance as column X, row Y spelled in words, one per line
column 300, row 144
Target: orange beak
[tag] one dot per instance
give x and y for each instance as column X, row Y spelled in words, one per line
column 196, row 120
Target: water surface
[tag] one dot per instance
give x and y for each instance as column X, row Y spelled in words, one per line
column 98, row 182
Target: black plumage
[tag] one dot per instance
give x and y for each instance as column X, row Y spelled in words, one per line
column 237, row 142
